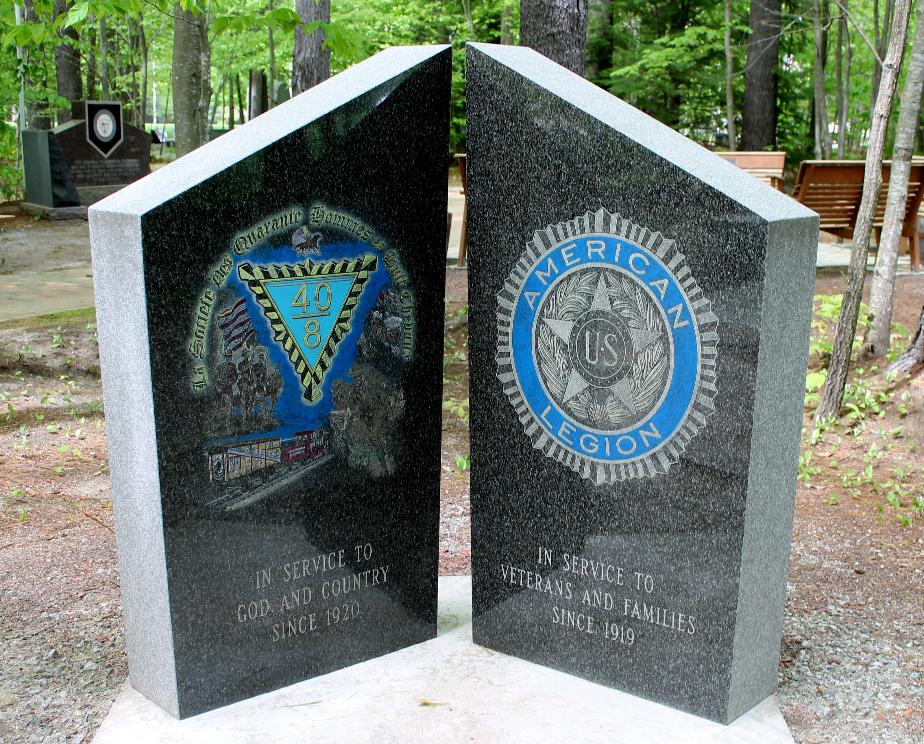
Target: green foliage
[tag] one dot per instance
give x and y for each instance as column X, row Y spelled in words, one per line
column 457, row 408
column 827, row 309
column 10, row 175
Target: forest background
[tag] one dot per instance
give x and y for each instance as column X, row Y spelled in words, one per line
column 794, row 75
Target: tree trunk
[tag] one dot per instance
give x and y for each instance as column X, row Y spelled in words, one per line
column 876, row 342
column 599, row 38
column 843, row 79
column 271, row 48
column 143, row 47
column 230, row 103
column 758, row 127
column 37, row 111
column 833, row 392
column 67, row 64
column 240, row 99
column 845, row 114
column 91, row 62
column 310, row 58
column 216, row 99
column 257, row 101
column 881, row 35
column 506, row 31
column 912, row 361
column 134, row 89
column 821, row 107
column 104, row 89
column 467, row 12
column 557, row 29
column 729, row 77
column 187, row 81
column 205, row 74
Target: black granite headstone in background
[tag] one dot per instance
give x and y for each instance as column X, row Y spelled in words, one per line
column 124, row 158
column 270, row 312
column 638, row 338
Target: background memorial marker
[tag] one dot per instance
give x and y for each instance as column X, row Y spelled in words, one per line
column 638, row 339
column 276, row 484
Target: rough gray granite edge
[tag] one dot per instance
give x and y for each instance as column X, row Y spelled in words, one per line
column 699, row 162
column 786, row 312
column 118, row 279
column 173, row 179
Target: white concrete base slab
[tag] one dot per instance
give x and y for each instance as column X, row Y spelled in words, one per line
column 446, row 690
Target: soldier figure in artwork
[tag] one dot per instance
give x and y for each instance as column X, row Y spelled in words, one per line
column 224, row 380
column 363, row 424
column 380, row 343
column 273, row 387
column 258, row 379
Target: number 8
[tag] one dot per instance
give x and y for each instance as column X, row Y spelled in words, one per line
column 312, row 331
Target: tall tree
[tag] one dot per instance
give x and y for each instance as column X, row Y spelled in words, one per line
column 832, row 393
column 144, row 51
column 104, row 87
column 190, row 116
column 599, row 37
column 271, row 48
column 506, row 30
column 729, row 77
column 881, row 34
column 843, row 78
column 882, row 288
column 759, row 114
column 557, row 29
column 38, row 114
column 90, row 89
column 67, row 64
column 822, row 135
column 311, row 58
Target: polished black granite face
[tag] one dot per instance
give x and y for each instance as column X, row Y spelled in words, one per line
column 647, row 556
column 293, row 303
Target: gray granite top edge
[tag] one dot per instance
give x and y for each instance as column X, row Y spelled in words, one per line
column 201, row 164
column 760, row 198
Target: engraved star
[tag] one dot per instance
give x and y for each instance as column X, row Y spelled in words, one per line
column 640, row 339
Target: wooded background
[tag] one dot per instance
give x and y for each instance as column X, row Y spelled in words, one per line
column 799, row 76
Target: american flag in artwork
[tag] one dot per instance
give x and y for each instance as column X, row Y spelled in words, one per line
column 235, row 326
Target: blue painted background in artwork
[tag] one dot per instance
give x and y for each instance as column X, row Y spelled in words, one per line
column 292, row 410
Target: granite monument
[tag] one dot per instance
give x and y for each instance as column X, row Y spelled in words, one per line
column 638, row 339
column 270, row 313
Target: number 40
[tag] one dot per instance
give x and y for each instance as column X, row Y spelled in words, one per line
column 320, row 302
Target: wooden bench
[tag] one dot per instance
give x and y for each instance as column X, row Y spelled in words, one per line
column 834, row 188
column 766, row 166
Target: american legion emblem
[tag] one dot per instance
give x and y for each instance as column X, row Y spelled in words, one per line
column 607, row 347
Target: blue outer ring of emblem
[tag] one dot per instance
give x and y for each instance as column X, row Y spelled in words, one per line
column 660, row 425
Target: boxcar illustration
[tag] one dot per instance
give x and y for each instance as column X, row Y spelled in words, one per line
column 245, row 470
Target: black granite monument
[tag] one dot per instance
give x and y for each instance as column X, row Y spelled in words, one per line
column 270, row 316
column 638, row 339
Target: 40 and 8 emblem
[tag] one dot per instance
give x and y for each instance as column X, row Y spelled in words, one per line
column 607, row 347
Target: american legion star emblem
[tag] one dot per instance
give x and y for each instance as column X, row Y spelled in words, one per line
column 607, row 347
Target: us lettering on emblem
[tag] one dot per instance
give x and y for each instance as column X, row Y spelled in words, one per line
column 611, row 346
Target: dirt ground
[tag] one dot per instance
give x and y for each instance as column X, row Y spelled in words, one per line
column 852, row 662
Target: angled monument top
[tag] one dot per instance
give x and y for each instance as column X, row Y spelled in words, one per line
column 638, row 335
column 214, row 157
column 763, row 200
column 270, row 314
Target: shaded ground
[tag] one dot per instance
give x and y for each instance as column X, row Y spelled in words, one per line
column 852, row 663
